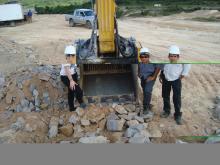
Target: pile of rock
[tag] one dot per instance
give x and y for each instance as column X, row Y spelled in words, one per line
column 39, row 89
column 31, row 89
column 126, row 118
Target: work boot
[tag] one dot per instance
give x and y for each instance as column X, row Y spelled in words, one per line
column 71, row 109
column 148, row 113
column 83, row 105
column 179, row 120
column 165, row 114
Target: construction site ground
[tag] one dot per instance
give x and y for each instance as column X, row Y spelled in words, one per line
column 27, row 50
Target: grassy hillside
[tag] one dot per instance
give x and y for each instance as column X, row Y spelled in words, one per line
column 130, row 3
column 125, row 7
column 32, row 3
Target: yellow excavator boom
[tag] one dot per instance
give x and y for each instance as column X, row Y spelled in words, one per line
column 106, row 45
column 105, row 10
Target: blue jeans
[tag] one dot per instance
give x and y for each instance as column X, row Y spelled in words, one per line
column 147, row 91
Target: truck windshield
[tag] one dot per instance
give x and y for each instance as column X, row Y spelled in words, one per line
column 89, row 13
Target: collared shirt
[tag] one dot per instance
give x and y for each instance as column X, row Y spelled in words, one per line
column 146, row 70
column 173, row 72
column 72, row 69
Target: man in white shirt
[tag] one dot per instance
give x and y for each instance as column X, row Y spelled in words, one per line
column 171, row 78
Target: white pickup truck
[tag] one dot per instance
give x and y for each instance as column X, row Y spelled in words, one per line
column 81, row 16
column 11, row 13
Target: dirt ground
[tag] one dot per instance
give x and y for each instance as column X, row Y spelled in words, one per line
column 47, row 36
column 199, row 41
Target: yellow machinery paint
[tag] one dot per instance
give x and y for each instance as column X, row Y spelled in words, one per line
column 105, row 10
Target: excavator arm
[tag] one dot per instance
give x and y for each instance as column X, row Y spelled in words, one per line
column 105, row 44
column 106, row 23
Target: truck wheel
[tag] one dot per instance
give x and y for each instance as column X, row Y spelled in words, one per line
column 12, row 24
column 88, row 25
column 71, row 23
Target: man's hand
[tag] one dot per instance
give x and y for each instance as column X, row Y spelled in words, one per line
column 151, row 78
column 73, row 85
column 161, row 80
column 181, row 77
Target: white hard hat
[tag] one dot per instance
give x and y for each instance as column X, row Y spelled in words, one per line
column 70, row 50
column 174, row 50
column 144, row 51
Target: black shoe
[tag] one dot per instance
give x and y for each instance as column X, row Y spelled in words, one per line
column 72, row 109
column 165, row 114
column 179, row 120
column 83, row 105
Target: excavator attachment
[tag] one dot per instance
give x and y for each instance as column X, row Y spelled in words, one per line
column 108, row 83
column 106, row 46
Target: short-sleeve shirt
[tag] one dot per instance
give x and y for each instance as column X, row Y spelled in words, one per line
column 147, row 70
column 72, row 69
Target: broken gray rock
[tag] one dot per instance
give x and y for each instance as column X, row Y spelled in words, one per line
column 130, row 107
column 2, row 80
column 115, row 125
column 46, row 98
column 144, row 133
column 130, row 132
column 180, row 142
column 132, row 123
column 217, row 132
column 24, row 103
column 85, row 122
column 44, row 76
column 132, row 115
column 139, row 140
column 93, row 140
column 53, row 127
column 35, row 93
column 140, row 119
column 18, row 108
column 120, row 109
column 32, row 88
column 61, row 122
column 112, row 116
column 80, row 112
column 213, row 140
column 217, row 111
column 138, row 127
column 126, row 117
column 73, row 119
column 19, row 125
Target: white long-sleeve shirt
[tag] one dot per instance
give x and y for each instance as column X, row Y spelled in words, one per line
column 173, row 72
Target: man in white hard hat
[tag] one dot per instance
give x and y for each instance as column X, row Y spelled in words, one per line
column 147, row 72
column 69, row 77
column 171, row 78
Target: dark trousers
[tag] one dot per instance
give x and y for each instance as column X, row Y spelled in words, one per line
column 176, row 86
column 147, row 91
column 72, row 93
